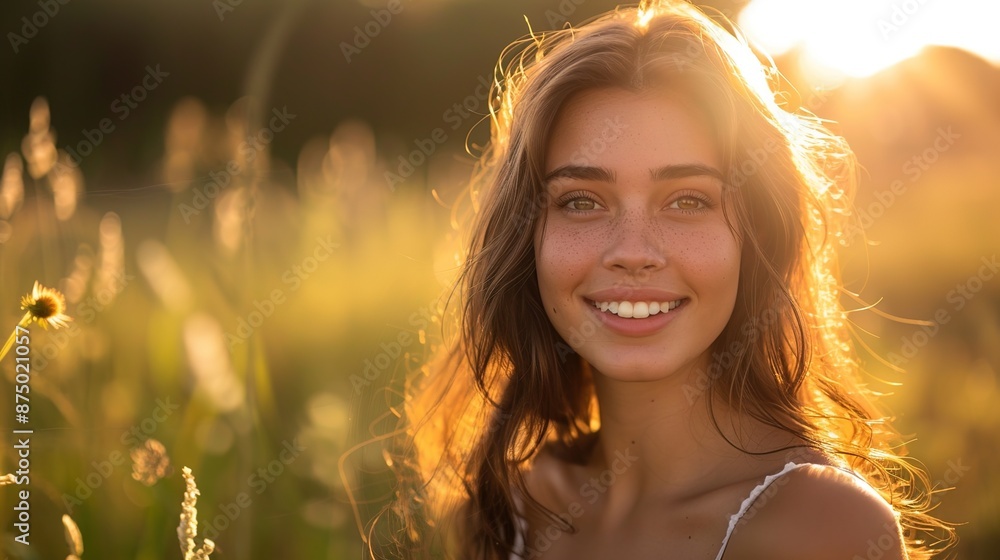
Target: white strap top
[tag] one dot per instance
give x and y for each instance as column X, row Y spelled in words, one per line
column 733, row 519
column 745, row 506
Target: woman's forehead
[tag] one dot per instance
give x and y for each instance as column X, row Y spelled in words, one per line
column 614, row 127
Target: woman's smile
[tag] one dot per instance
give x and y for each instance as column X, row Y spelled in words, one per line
column 639, row 309
column 639, row 318
column 636, row 311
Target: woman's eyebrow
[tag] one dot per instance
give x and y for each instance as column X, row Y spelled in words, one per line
column 680, row 171
column 665, row 173
column 582, row 172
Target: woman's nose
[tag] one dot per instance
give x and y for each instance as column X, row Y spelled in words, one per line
column 635, row 244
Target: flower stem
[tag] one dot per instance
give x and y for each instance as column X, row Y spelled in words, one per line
column 10, row 341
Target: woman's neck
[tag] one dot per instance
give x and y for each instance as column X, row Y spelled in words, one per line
column 658, row 441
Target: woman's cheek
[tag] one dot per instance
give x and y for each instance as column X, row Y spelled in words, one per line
column 572, row 247
column 716, row 251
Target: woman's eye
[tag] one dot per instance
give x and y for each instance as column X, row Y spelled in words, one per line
column 689, row 203
column 580, row 204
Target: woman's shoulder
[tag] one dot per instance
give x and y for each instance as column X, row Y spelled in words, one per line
column 553, row 478
column 818, row 511
column 549, row 476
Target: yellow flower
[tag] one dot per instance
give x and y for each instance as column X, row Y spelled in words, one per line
column 47, row 306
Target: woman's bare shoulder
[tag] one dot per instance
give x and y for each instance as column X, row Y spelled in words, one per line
column 548, row 477
column 820, row 512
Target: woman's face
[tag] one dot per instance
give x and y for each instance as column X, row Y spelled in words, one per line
column 637, row 268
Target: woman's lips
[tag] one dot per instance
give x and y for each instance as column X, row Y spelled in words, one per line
column 636, row 326
column 637, row 309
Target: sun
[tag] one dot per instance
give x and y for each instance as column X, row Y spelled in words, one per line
column 856, row 38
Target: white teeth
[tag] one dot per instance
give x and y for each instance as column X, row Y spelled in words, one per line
column 625, row 309
column 638, row 309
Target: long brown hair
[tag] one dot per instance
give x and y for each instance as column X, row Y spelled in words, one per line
column 505, row 382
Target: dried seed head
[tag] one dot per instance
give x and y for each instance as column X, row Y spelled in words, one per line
column 150, row 462
column 187, row 530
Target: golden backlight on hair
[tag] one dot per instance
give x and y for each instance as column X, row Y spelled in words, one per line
column 503, row 383
column 645, row 14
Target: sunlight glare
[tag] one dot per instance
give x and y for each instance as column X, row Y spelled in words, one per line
column 860, row 37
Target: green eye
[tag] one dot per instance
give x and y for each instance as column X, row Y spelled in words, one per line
column 689, row 203
column 692, row 203
column 581, row 204
column 579, row 201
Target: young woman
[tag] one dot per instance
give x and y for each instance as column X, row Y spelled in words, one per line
column 652, row 359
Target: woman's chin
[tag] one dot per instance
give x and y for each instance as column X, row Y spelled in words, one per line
column 683, row 370
column 636, row 372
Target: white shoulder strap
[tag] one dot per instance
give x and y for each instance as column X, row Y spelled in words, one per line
column 745, row 506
